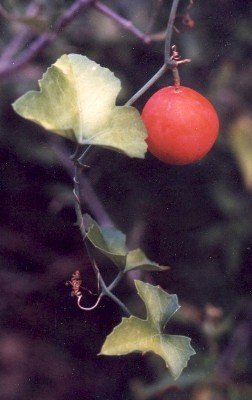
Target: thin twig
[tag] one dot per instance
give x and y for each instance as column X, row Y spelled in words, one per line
column 138, row 94
column 124, row 23
column 90, row 198
column 80, row 222
column 107, row 292
column 117, row 301
column 116, row 281
column 77, row 204
column 47, row 37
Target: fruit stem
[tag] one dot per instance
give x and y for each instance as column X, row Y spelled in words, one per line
column 171, row 58
column 176, row 77
column 175, row 61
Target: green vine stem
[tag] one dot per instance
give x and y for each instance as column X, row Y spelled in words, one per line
column 116, row 281
column 154, row 79
column 105, row 290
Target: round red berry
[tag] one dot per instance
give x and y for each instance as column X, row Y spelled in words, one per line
column 182, row 125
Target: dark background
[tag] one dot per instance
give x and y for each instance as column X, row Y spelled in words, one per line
column 196, row 218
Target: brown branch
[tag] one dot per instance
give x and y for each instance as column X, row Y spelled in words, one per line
column 44, row 39
column 49, row 36
column 124, row 23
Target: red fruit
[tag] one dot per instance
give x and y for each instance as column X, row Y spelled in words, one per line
column 182, row 125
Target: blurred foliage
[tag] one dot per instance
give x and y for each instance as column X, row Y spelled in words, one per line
column 197, row 219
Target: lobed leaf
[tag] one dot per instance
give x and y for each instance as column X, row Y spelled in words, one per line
column 134, row 334
column 77, row 100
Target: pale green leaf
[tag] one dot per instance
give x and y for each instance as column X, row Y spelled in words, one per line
column 160, row 305
column 115, row 240
column 109, row 242
column 77, row 100
column 136, row 259
column 112, row 243
column 137, row 335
